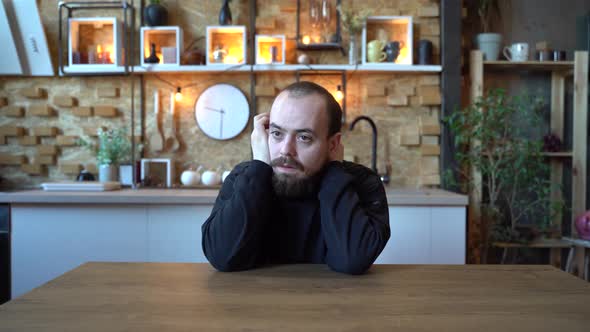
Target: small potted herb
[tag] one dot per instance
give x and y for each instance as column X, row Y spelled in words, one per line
column 112, row 149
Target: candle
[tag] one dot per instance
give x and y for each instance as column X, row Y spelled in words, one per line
column 156, row 102
column 172, row 103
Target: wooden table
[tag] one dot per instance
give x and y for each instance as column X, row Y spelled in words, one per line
column 194, row 297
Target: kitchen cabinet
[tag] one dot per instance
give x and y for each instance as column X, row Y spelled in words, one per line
column 52, row 238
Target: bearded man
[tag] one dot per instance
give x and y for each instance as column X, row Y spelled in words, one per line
column 297, row 201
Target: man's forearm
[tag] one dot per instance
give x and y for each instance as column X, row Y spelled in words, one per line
column 355, row 234
column 232, row 234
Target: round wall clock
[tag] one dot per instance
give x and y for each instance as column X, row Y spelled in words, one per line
column 222, row 111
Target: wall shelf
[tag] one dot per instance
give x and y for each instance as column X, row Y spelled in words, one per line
column 530, row 65
column 289, row 68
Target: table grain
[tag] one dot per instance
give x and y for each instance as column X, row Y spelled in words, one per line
column 194, row 297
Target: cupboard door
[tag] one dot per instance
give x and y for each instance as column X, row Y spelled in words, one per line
column 410, row 236
column 174, row 233
column 448, row 235
column 49, row 240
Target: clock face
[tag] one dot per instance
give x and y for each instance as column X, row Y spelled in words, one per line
column 222, row 111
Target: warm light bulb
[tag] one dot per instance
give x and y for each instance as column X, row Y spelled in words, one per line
column 339, row 95
column 306, row 40
column 178, row 95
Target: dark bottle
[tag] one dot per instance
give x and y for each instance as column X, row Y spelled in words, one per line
column 153, row 58
column 225, row 14
column 155, row 14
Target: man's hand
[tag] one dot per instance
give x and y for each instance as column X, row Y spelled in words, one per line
column 259, row 138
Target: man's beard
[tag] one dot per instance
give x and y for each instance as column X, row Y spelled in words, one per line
column 289, row 185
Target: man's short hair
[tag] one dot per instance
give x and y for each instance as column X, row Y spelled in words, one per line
column 305, row 88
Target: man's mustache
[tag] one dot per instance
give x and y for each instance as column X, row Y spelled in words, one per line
column 286, row 161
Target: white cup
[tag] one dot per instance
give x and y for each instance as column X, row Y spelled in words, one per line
column 517, row 52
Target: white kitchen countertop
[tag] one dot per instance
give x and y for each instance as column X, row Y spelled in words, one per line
column 395, row 196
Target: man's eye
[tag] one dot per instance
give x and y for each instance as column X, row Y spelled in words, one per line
column 276, row 134
column 305, row 138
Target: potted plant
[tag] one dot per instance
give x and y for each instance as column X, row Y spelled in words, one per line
column 353, row 24
column 492, row 136
column 112, row 149
column 489, row 43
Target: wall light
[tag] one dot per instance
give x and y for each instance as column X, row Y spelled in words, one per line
column 178, row 95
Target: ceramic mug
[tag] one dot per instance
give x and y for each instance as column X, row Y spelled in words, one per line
column 517, row 52
column 375, row 51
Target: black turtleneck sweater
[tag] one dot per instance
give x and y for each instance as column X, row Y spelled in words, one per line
column 345, row 224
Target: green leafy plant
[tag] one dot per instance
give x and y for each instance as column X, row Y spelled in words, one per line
column 486, row 10
column 113, row 146
column 352, row 22
column 491, row 137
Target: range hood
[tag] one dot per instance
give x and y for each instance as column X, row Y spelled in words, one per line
column 23, row 38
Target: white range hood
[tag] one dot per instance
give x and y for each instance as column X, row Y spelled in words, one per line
column 23, row 38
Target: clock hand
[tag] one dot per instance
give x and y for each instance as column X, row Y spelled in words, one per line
column 221, row 125
column 213, row 109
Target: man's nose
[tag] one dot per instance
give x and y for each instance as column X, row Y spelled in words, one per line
column 288, row 147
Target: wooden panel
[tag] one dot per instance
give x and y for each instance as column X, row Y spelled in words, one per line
column 82, row 111
column 580, row 121
column 14, row 111
column 430, row 180
column 557, row 118
column 430, row 140
column 3, row 101
column 47, row 149
column 45, row 131
column 376, row 91
column 267, row 22
column 91, row 131
column 430, row 150
column 2, row 140
column 32, row 169
column 28, row 140
column 105, row 111
column 397, row 100
column 41, row 110
column 11, row 131
column 266, row 91
column 430, row 129
column 429, row 165
column 429, row 80
column 476, row 91
column 66, row 140
column 64, row 101
column 34, row 93
column 70, row 168
column 429, row 95
column 410, row 139
column 6, row 159
column 107, row 92
column 428, row 11
column 44, row 159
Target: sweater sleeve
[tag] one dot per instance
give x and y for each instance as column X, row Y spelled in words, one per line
column 233, row 233
column 354, row 217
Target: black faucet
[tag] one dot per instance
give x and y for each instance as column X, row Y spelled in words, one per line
column 374, row 155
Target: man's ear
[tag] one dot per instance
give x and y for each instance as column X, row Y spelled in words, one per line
column 334, row 142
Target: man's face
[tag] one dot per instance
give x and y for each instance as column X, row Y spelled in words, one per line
column 298, row 136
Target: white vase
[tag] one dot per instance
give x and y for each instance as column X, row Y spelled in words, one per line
column 107, row 173
column 489, row 44
column 353, row 51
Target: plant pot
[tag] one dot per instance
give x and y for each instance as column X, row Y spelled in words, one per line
column 107, row 173
column 490, row 44
column 155, row 15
